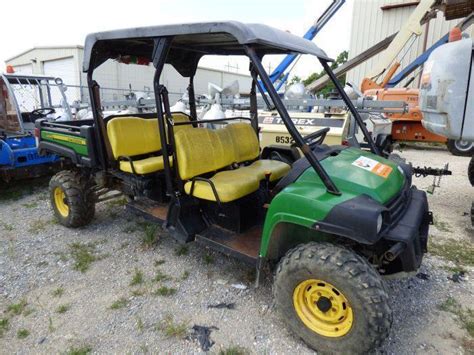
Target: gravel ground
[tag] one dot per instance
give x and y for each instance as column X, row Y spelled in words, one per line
column 60, row 308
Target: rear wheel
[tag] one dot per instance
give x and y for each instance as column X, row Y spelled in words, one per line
column 460, row 147
column 332, row 298
column 72, row 198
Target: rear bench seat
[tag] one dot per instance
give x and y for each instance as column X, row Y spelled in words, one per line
column 133, row 139
column 200, row 151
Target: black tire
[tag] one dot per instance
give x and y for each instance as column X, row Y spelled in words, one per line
column 470, row 171
column 77, row 195
column 354, row 278
column 472, row 214
column 460, row 148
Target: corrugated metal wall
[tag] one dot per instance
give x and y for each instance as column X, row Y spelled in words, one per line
column 370, row 25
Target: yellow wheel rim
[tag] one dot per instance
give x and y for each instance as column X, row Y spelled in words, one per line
column 60, row 202
column 323, row 308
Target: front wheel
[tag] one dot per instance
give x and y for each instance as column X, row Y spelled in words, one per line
column 72, row 198
column 332, row 298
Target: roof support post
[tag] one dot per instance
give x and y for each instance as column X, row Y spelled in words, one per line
column 160, row 52
column 299, row 140
column 192, row 98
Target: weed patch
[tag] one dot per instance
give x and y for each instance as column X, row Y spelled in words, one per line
column 83, row 350
column 83, row 256
column 4, row 326
column 120, row 303
column 453, row 250
column 137, row 278
column 171, row 328
column 164, row 291
column 63, row 308
column 22, row 333
column 17, row 308
column 181, row 250
column 465, row 315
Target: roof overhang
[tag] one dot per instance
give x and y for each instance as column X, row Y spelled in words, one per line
column 192, row 41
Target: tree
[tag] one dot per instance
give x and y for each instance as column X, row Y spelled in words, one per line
column 340, row 59
column 295, row 79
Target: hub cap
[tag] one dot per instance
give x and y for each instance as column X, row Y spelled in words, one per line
column 60, row 202
column 323, row 308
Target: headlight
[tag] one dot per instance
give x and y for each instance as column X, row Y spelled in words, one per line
column 379, row 223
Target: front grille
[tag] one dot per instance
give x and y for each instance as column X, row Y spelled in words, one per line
column 397, row 205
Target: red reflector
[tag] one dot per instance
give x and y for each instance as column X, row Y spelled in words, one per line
column 344, row 142
column 37, row 132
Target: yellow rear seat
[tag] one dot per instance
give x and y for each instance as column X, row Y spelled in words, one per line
column 134, row 136
column 200, row 151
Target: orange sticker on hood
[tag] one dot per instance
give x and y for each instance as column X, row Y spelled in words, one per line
column 373, row 166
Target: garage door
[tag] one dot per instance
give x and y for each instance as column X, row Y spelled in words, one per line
column 64, row 69
column 23, row 69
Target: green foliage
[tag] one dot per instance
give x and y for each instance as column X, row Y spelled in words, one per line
column 164, row 291
column 465, row 315
column 171, row 328
column 17, row 308
column 22, row 333
column 58, row 292
column 295, row 79
column 83, row 350
column 63, row 308
column 120, row 303
column 182, row 250
column 233, row 350
column 83, row 255
column 4, row 326
column 340, row 59
column 137, row 278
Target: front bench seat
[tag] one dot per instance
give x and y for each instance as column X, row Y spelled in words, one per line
column 201, row 151
column 247, row 148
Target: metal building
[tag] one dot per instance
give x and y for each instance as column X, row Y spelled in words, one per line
column 374, row 20
column 66, row 63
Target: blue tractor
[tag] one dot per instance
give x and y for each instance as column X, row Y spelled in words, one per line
column 23, row 100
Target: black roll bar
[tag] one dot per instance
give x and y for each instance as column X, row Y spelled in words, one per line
column 299, row 141
column 160, row 52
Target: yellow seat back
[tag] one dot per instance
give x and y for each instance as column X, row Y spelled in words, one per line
column 202, row 150
column 130, row 136
column 244, row 140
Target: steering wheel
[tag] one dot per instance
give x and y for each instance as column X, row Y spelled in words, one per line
column 42, row 112
column 317, row 137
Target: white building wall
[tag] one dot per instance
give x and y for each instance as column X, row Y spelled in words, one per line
column 371, row 24
column 121, row 76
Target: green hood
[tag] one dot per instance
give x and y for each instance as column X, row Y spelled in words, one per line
column 381, row 183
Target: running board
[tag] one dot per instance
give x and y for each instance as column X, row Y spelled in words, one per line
column 151, row 210
column 244, row 246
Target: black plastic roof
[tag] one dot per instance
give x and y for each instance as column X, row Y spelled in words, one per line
column 192, row 41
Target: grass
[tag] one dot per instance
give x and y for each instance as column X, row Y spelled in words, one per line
column 120, row 303
column 233, row 350
column 17, row 308
column 184, row 275
column 150, row 236
column 170, row 328
column 453, row 250
column 140, row 325
column 58, row 292
column 16, row 190
column 208, row 259
column 465, row 315
column 22, row 333
column 137, row 278
column 63, row 308
column 138, row 293
column 455, row 269
column 181, row 250
column 33, row 204
column 83, row 350
column 6, row 226
column 159, row 262
column 83, row 256
column 442, row 226
column 161, row 276
column 51, row 325
column 118, row 202
column 38, row 225
column 164, row 291
column 4, row 326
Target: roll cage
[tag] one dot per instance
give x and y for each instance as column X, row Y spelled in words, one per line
column 182, row 46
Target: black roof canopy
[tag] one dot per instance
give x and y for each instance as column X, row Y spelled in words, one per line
column 192, row 41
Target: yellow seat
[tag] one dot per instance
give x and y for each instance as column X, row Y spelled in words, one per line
column 277, row 169
column 247, row 149
column 134, row 136
column 144, row 166
column 230, row 185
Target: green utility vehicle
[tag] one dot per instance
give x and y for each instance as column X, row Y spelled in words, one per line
column 330, row 225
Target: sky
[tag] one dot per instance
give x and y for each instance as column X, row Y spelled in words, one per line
column 57, row 23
